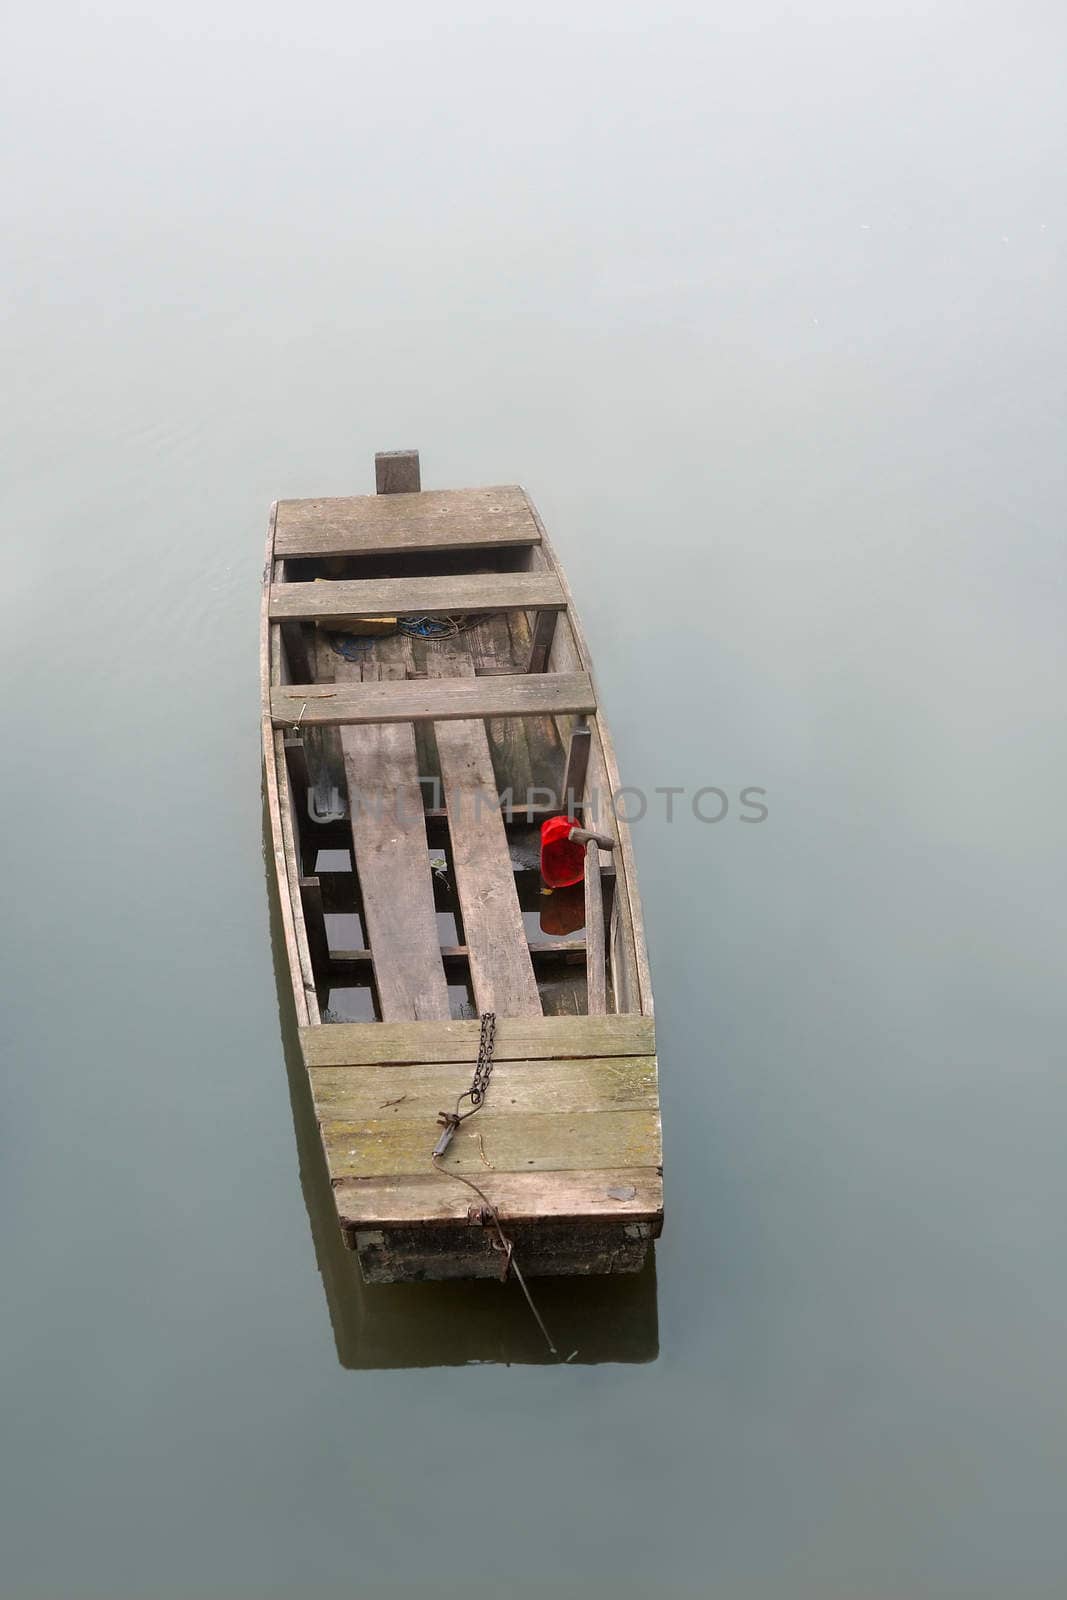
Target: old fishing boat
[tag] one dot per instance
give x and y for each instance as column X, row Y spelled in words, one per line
column 458, row 897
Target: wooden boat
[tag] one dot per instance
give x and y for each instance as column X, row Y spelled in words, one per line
column 428, row 701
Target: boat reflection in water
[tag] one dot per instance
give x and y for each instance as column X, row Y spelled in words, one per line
column 600, row 1318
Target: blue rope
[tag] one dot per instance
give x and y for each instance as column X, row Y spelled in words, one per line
column 351, row 647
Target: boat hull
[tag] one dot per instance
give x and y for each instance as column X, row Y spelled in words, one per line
column 427, row 700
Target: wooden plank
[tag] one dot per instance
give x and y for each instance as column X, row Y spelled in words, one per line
column 631, row 977
column 271, row 741
column 296, row 639
column 438, row 519
column 596, row 972
column 334, row 834
column 529, row 1142
column 632, row 1194
column 612, row 1083
column 341, row 889
column 546, row 1250
column 517, row 1039
column 397, row 472
column 392, row 862
column 315, row 925
column 547, row 950
column 349, row 600
column 431, row 699
column 502, row 973
column 543, row 634
column 296, row 648
column 523, row 749
column 296, row 761
column 574, row 774
column 291, row 883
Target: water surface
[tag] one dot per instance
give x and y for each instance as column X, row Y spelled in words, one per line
column 766, row 310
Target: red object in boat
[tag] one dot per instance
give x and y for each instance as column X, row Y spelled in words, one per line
column 562, row 861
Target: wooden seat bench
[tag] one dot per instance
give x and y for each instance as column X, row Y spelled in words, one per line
column 424, row 700
column 385, row 524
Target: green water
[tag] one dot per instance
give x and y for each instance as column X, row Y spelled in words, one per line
column 766, row 310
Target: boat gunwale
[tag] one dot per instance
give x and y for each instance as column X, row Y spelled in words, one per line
column 280, row 824
column 627, row 878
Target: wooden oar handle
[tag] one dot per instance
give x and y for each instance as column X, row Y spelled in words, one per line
column 587, row 836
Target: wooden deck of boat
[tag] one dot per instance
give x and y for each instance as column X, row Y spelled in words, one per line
column 568, row 1142
column 569, row 1133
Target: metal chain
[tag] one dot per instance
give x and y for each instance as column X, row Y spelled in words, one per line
column 449, row 1121
column 484, row 1070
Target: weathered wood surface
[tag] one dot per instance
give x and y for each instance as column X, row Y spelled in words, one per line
column 611, row 1083
column 545, row 1249
column 574, row 773
column 524, row 824
column 392, row 862
column 546, row 950
column 631, row 976
column 350, row 599
column 501, row 970
column 540, row 1141
column 273, row 767
column 632, row 1194
column 315, row 924
column 296, row 761
column 525, row 750
column 436, row 519
column 429, row 699
column 541, row 643
column 577, row 1093
column 517, row 1039
column 397, row 472
column 290, row 883
column 340, row 889
column 297, row 654
column 596, row 971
